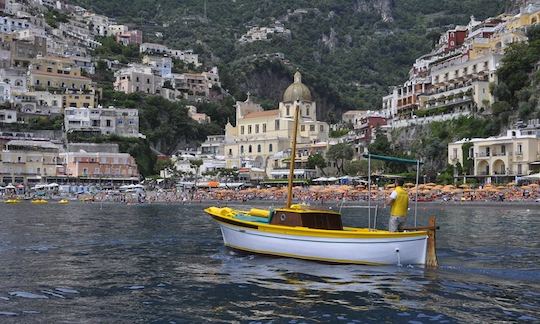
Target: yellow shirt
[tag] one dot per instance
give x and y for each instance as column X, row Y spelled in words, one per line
column 400, row 205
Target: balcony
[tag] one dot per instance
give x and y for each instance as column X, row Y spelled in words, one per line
column 482, row 155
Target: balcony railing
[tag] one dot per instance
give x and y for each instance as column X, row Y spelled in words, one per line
column 482, row 154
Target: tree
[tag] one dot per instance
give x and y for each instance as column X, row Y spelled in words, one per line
column 380, row 145
column 163, row 165
column 316, row 161
column 339, row 153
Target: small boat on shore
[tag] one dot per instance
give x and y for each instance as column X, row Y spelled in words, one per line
column 12, row 201
column 63, row 202
column 39, row 201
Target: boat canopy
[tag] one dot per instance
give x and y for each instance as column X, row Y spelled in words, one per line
column 391, row 159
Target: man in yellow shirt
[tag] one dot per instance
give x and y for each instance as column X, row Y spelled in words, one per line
column 399, row 204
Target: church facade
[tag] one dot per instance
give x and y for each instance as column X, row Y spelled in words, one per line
column 262, row 138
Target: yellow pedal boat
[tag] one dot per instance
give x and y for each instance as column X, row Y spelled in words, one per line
column 63, row 202
column 12, row 201
column 39, row 201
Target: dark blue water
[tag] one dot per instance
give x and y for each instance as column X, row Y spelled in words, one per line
column 166, row 263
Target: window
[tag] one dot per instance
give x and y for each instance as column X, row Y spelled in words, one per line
column 519, row 149
column 230, row 151
column 250, row 150
column 108, row 122
column 311, row 128
column 264, row 128
column 249, row 129
column 259, row 148
column 242, row 130
column 277, row 124
column 503, row 150
column 520, row 169
column 257, row 129
column 454, row 153
column 321, row 128
column 288, row 110
column 242, row 149
column 303, row 128
column 270, row 147
column 307, row 111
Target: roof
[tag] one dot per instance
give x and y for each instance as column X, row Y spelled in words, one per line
column 62, row 76
column 264, row 113
column 31, row 143
column 297, row 90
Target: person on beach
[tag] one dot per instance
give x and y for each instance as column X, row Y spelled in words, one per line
column 399, row 204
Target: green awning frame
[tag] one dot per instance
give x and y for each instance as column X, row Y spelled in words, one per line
column 391, row 159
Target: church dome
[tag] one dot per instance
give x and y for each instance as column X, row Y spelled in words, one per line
column 297, row 90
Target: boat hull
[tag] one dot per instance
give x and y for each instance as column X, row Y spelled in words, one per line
column 375, row 251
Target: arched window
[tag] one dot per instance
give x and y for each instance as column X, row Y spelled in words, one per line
column 250, row 149
column 242, row 149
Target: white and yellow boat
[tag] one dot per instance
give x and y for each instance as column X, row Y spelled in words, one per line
column 39, row 201
column 299, row 232
column 12, row 201
column 316, row 235
column 63, row 202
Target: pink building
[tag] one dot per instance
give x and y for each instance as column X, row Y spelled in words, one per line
column 129, row 37
column 100, row 165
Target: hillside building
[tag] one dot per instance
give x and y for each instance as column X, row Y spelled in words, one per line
column 509, row 155
column 261, row 138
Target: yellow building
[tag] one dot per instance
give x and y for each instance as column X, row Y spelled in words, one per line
column 57, row 73
column 528, row 15
column 79, row 99
column 512, row 154
column 261, row 138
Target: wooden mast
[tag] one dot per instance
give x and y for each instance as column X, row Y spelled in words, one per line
column 293, row 156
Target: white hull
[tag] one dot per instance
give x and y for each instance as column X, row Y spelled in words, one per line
column 403, row 250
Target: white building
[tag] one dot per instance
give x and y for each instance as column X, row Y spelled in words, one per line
column 8, row 116
column 137, row 78
column 512, row 154
column 186, row 56
column 106, row 121
column 5, row 92
column 9, row 25
column 162, row 64
column 117, row 29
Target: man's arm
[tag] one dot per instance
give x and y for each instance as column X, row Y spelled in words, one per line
column 391, row 198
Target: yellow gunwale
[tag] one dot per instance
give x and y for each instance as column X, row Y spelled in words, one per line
column 303, row 257
column 347, row 232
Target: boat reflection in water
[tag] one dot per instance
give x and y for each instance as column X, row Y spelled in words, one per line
column 295, row 275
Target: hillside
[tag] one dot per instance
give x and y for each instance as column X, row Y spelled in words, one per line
column 349, row 50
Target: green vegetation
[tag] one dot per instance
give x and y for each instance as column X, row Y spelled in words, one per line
column 519, row 82
column 46, row 123
column 352, row 70
column 316, row 161
column 53, row 17
column 112, row 50
column 339, row 133
column 340, row 153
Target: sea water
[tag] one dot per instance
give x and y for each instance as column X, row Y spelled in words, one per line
column 167, row 263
